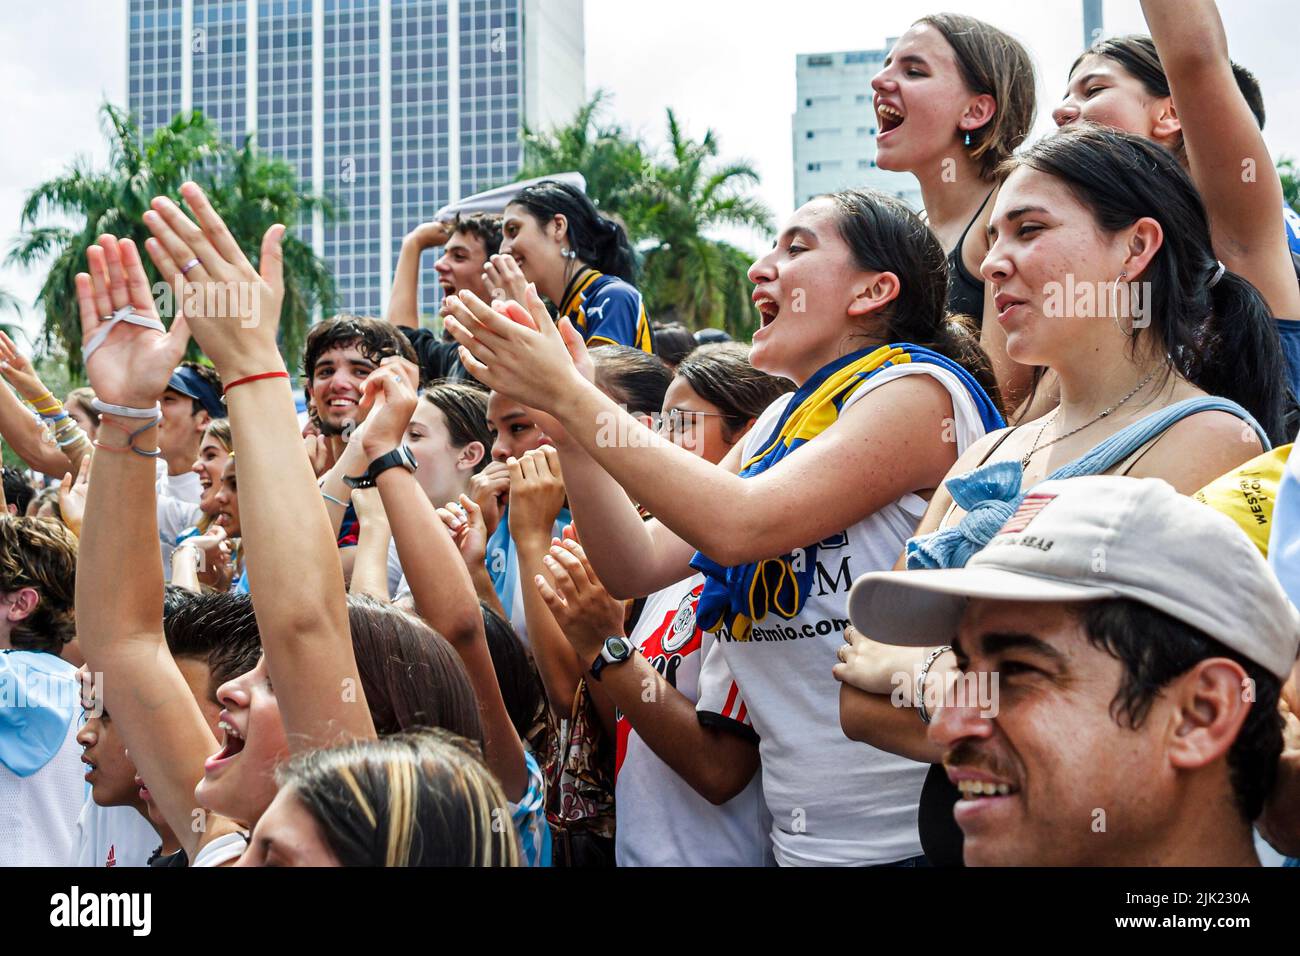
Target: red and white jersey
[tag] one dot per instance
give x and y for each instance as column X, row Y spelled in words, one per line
column 662, row 821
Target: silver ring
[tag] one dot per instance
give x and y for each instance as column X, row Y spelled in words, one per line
column 185, row 269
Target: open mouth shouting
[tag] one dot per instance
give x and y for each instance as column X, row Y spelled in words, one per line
column 888, row 118
column 768, row 309
column 233, row 745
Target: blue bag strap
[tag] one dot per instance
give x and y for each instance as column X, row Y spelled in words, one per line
column 1111, row 451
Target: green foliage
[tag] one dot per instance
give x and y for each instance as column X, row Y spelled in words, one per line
column 670, row 200
column 64, row 215
column 1290, row 173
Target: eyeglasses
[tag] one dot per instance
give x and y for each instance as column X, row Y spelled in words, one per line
column 679, row 420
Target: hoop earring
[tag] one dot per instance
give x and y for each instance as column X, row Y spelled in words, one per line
column 1114, row 305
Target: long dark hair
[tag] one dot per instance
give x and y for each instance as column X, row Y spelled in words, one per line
column 597, row 240
column 1220, row 337
column 411, row 676
column 886, row 236
column 1137, row 55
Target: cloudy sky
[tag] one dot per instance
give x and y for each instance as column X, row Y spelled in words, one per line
column 724, row 64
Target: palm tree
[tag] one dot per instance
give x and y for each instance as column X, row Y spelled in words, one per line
column 248, row 189
column 687, row 195
column 612, row 161
column 9, row 303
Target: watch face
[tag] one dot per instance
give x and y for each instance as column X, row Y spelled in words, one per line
column 617, row 647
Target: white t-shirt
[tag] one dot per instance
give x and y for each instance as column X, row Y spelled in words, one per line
column 833, row 801
column 662, row 821
column 38, row 809
column 113, row 836
column 178, row 509
column 396, row 579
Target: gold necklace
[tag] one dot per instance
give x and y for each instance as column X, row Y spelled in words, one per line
column 1024, row 462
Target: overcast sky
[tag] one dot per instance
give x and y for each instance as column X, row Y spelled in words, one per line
column 724, row 64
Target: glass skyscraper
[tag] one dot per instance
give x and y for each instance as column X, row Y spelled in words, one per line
column 391, row 108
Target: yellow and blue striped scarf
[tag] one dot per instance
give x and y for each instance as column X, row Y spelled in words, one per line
column 736, row 597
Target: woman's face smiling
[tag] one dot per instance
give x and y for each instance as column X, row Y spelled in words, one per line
column 537, row 248
column 922, row 101
column 209, row 467
column 810, row 296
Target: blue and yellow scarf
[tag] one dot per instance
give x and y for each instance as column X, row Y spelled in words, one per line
column 738, row 596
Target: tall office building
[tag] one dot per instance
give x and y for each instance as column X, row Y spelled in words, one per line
column 834, row 127
column 392, row 108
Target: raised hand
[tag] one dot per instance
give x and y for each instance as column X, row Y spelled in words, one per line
column 392, row 398
column 536, row 493
column 369, row 507
column 488, row 489
column 464, row 519
column 233, row 309
column 504, row 278
column 133, row 363
column 72, row 496
column 17, row 370
column 429, row 234
column 516, row 349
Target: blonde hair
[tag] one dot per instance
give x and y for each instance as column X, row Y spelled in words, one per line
column 411, row 799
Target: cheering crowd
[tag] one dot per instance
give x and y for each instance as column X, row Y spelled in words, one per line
column 983, row 552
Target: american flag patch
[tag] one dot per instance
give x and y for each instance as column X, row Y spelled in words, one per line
column 1029, row 507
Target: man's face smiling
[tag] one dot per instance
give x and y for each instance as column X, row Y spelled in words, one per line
column 1053, row 778
column 336, row 387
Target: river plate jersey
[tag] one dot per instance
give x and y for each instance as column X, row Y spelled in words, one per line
column 833, row 800
column 607, row 311
column 662, row 821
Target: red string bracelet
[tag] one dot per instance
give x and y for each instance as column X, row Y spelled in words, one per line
column 253, row 378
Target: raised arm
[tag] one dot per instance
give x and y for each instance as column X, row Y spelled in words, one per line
column 293, row 571
column 439, row 582
column 26, row 436
column 536, row 496
column 370, row 566
column 119, row 568
column 1226, row 153
column 633, row 557
column 69, row 443
column 872, row 456
column 404, row 302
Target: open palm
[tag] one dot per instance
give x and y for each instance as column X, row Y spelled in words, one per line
column 133, row 364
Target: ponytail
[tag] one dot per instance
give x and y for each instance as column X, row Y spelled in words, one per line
column 1241, row 356
column 598, row 240
column 1218, row 335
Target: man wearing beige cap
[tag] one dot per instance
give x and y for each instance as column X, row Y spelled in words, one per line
column 1137, row 642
